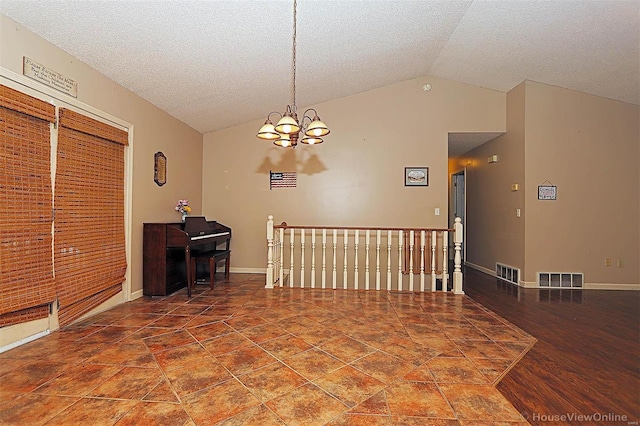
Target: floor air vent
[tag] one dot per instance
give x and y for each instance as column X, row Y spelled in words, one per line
column 560, row 279
column 508, row 273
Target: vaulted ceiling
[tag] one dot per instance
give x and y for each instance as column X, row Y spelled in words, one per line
column 217, row 63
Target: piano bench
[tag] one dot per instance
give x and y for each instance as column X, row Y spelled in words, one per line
column 211, row 257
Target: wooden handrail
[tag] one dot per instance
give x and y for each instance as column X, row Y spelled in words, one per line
column 284, row 225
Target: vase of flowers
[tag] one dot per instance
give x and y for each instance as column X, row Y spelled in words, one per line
column 182, row 206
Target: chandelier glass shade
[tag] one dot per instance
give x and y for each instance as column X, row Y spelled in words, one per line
column 288, row 130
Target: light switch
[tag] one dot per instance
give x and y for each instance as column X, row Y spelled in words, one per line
column 437, row 211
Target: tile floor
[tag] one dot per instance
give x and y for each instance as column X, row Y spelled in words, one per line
column 243, row 355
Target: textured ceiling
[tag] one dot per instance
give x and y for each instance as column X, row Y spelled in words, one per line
column 215, row 64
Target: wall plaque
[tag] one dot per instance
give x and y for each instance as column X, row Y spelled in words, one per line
column 160, row 168
column 49, row 77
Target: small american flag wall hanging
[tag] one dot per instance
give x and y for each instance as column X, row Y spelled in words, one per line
column 282, row 179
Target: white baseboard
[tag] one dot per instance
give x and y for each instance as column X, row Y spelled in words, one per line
column 480, row 268
column 136, row 295
column 587, row 286
column 248, row 270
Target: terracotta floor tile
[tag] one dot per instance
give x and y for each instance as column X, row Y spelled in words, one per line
column 455, row 370
column 422, row 421
column 417, row 399
column 313, row 363
column 349, row 385
column 219, row 403
column 285, row 346
column 382, row 366
column 134, row 353
column 346, row 349
column 183, row 357
column 272, row 381
column 376, row 404
column 129, row 383
column 162, row 393
column 262, row 333
column 169, row 340
column 306, row 406
column 256, row 416
column 492, row 369
column 95, row 412
column 226, row 343
column 214, row 358
column 479, row 402
column 155, row 413
column 245, row 360
column 245, row 321
column 79, row 379
column 207, row 331
column 348, row 419
column 33, row 409
column 31, row 375
column 197, row 377
column 172, row 321
column 481, row 349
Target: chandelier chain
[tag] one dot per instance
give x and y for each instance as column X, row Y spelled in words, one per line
column 295, row 16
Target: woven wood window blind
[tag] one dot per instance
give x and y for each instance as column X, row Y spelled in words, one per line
column 26, row 270
column 90, row 257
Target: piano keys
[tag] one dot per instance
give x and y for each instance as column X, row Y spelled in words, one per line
column 167, row 248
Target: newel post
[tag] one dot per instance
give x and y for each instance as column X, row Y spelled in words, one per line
column 457, row 260
column 269, row 283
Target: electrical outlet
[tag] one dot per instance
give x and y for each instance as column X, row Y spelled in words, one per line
column 619, row 263
column 517, row 212
column 607, row 261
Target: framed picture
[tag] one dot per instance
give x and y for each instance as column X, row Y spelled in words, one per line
column 159, row 168
column 547, row 192
column 416, row 176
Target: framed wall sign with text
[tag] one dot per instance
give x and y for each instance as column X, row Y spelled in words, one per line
column 547, row 192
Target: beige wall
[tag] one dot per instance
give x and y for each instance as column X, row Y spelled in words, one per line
column 356, row 176
column 153, row 131
column 494, row 232
column 588, row 147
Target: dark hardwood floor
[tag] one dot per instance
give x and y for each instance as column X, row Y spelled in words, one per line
column 587, row 358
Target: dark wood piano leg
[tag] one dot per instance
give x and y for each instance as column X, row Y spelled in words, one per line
column 190, row 273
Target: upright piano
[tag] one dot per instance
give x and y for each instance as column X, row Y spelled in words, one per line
column 167, row 247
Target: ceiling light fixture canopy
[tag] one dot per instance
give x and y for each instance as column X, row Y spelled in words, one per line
column 286, row 132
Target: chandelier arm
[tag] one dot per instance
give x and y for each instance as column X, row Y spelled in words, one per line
column 271, row 113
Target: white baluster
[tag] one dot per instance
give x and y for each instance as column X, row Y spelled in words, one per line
column 355, row 262
column 457, row 260
column 281, row 257
column 389, row 240
column 302, row 258
column 291, row 241
column 344, row 271
column 400, row 246
column 313, row 258
column 445, row 277
column 433, row 260
column 324, row 258
column 422, row 260
column 367, row 240
column 411, row 243
column 378, row 259
column 335, row 260
column 269, row 283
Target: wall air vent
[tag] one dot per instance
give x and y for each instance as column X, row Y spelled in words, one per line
column 508, row 273
column 560, row 279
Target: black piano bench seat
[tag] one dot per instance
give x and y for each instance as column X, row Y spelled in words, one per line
column 211, row 257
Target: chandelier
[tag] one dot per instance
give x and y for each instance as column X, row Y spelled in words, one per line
column 288, row 130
